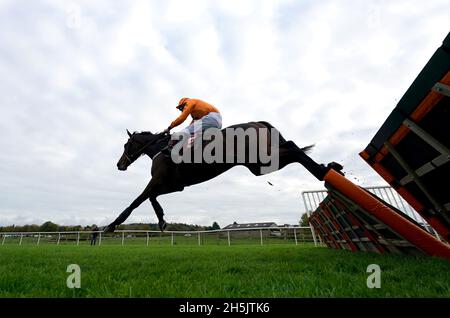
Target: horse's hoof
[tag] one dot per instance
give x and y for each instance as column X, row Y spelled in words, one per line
column 109, row 229
column 162, row 225
column 336, row 167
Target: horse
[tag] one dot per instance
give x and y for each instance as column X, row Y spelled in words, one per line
column 168, row 176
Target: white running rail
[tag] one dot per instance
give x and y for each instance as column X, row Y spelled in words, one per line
column 257, row 235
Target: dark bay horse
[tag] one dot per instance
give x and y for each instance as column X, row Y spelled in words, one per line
column 169, row 176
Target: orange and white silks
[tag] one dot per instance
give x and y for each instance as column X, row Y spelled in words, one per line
column 196, row 108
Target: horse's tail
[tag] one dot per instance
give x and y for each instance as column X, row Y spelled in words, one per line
column 308, row 148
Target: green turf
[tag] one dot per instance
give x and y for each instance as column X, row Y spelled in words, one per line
column 215, row 271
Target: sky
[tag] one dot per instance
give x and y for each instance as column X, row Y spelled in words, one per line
column 75, row 75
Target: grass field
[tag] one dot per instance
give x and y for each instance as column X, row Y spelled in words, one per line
column 215, row 271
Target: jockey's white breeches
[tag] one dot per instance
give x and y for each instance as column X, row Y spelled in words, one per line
column 209, row 121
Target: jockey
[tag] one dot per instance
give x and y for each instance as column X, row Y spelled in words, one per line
column 203, row 115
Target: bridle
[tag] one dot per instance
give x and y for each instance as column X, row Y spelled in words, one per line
column 130, row 157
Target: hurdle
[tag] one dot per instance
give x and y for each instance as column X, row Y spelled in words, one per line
column 411, row 149
column 411, row 152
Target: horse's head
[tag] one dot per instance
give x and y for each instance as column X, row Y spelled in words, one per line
column 134, row 148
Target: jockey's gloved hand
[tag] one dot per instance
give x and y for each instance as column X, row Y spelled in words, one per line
column 167, row 130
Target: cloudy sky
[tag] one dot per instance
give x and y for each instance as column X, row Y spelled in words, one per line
column 75, row 75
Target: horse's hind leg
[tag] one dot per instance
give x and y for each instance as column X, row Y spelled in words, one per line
column 290, row 152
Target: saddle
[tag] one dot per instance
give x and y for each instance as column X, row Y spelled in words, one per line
column 190, row 144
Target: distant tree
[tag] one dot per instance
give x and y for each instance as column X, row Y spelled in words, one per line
column 30, row 228
column 304, row 221
column 63, row 228
column 74, row 228
column 48, row 227
column 8, row 228
column 215, row 226
column 90, row 227
column 142, row 226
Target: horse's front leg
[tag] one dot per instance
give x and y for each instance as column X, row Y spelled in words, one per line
column 126, row 213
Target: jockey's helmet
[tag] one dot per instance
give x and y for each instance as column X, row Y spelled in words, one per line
column 182, row 103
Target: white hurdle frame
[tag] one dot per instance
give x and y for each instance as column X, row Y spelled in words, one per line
column 312, row 199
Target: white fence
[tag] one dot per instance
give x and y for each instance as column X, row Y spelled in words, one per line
column 253, row 236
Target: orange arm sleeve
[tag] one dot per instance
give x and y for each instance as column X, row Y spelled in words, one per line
column 186, row 112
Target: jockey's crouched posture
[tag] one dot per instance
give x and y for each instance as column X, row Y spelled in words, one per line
column 203, row 115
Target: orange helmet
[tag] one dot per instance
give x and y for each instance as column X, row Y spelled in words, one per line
column 182, row 102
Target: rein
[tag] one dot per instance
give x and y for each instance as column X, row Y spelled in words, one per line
column 140, row 150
